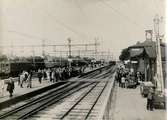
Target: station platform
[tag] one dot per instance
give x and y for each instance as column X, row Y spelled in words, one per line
column 18, row 91
column 128, row 104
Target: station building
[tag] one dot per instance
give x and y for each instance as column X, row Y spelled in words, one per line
column 142, row 58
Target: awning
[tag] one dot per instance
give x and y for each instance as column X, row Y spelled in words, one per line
column 134, row 52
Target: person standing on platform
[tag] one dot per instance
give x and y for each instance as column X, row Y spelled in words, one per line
column 57, row 74
column 29, row 80
column 19, row 78
column 60, row 73
column 10, row 87
column 44, row 74
column 123, row 82
column 127, row 79
column 25, row 76
column 48, row 74
column 2, row 87
column 150, row 99
column 53, row 75
column 40, row 75
column 22, row 78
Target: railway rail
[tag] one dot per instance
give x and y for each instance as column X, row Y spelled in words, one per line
column 87, row 101
column 56, row 96
column 96, row 72
column 42, row 102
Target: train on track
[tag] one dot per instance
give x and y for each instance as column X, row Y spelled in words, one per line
column 112, row 62
column 14, row 67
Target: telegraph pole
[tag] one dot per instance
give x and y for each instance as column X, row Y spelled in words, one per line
column 43, row 48
column 86, row 50
column 69, row 47
column 96, row 48
column 11, row 49
column 69, row 51
column 159, row 74
column 33, row 56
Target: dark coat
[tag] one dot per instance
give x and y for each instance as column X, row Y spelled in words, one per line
column 10, row 86
column 40, row 75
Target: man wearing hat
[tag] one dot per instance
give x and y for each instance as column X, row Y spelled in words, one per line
column 10, row 86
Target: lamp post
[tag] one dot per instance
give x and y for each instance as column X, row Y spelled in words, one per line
column 159, row 74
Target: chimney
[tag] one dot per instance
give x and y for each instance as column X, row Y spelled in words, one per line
column 148, row 34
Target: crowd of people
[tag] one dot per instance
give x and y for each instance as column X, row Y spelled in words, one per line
column 128, row 79
column 51, row 74
column 54, row 74
column 48, row 74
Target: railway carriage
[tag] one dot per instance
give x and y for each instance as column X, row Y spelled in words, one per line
column 14, row 67
column 112, row 62
column 4, row 68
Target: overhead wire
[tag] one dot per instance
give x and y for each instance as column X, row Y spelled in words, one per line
column 122, row 14
column 25, row 35
column 60, row 22
column 79, row 34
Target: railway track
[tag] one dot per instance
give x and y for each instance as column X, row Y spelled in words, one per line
column 83, row 108
column 106, row 73
column 91, row 92
column 43, row 102
column 95, row 73
column 85, row 104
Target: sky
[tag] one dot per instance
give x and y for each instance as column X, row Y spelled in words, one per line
column 116, row 24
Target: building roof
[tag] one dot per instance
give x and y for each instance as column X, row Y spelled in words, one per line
column 136, row 52
column 146, row 43
column 149, row 48
column 150, row 51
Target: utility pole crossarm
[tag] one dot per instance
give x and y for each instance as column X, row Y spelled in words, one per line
column 48, row 45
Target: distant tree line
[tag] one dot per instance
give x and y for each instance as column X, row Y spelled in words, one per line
column 3, row 58
column 124, row 54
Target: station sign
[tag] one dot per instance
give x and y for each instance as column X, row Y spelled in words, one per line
column 136, row 49
column 134, row 62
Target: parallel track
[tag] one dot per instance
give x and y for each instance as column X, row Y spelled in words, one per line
column 85, row 113
column 56, row 96
column 33, row 107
